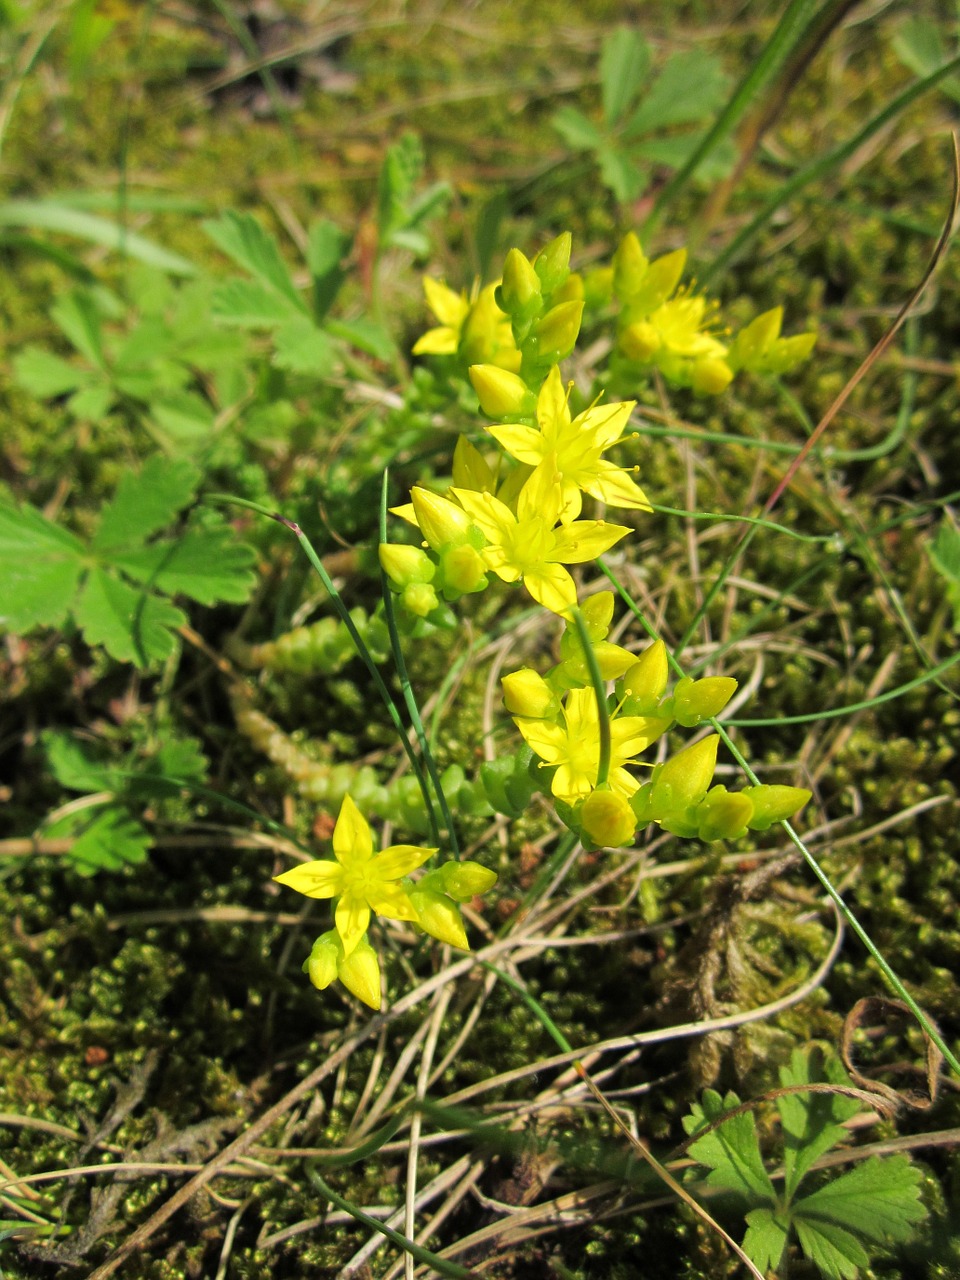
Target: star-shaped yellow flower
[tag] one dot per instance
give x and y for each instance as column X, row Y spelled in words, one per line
column 529, row 546
column 577, row 446
column 574, row 746
column 473, row 327
column 361, row 879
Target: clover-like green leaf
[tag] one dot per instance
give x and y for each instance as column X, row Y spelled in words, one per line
column 40, row 567
column 131, row 624
column 731, row 1151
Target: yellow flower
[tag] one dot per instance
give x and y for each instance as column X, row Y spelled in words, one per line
column 527, row 546
column 472, row 327
column 359, row 971
column 451, row 310
column 361, row 879
column 577, row 446
column 574, row 746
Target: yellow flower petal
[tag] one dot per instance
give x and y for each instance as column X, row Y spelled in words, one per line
column 551, row 586
column 585, row 540
column 319, row 879
column 441, row 341
column 352, row 841
column 352, row 917
column 449, row 307
column 399, row 860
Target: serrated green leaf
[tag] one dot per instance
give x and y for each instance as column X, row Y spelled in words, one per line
column 107, row 838
column 919, row 45
column 731, row 1151
column 46, row 375
column 251, row 304
column 836, row 1252
column 77, row 316
column 945, row 549
column 365, row 335
column 185, row 417
column 673, row 152
column 878, row 1199
column 624, row 63
column 40, row 568
column 72, row 767
column 812, row 1122
column 49, row 215
column 620, row 174
column 690, row 87
column 576, row 130
column 242, row 238
column 90, row 404
column 181, row 758
column 766, row 1238
column 327, row 246
column 208, row 565
column 303, row 348
column 130, row 624
column 145, row 502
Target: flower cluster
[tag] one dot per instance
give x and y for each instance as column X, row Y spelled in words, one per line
column 363, row 881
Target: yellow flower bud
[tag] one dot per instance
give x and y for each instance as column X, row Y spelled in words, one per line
column 404, row 565
column 321, row 964
column 572, row 289
column 639, row 341
column 597, row 613
column 519, row 292
column 466, row 880
column 471, row 469
column 439, row 916
column 525, row 693
column 598, row 286
column 774, row 804
column 629, row 267
column 501, row 394
column 710, row 375
column 787, row 353
column 441, row 521
column 647, row 678
column 723, row 814
column 420, row 599
column 463, row 570
column 752, row 343
column 558, row 330
column 360, row 973
column 607, row 819
column 696, row 700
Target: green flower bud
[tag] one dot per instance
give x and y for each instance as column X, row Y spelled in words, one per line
column 360, row 973
column 557, row 332
column 441, row 521
column 404, row 565
column 598, row 286
column 465, row 880
column 723, row 814
column 629, row 267
column 639, row 341
column 520, row 292
column 647, row 678
column 526, row 693
column 752, row 343
column 501, row 394
column 420, row 599
column 710, row 375
column 321, row 964
column 439, row 916
column 696, row 700
column 683, row 780
column 597, row 611
column 787, row 353
column 774, row 804
column 607, row 819
column 463, row 570
column 552, row 263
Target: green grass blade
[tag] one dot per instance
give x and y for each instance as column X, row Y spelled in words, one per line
column 49, row 215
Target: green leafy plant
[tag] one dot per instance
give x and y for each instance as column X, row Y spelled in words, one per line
column 944, row 553
column 875, row 1203
column 646, row 122
column 118, row 587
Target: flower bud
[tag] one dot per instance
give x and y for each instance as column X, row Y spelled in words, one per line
column 471, row 469
column 404, row 565
column 774, row 804
column 526, row 693
column 647, row 678
column 520, row 291
column 683, row 780
column 607, row 819
column 360, row 973
column 660, row 279
column 557, row 332
column 598, row 286
column 420, row 599
column 696, row 700
column 463, row 570
column 752, row 342
column 723, row 814
column 572, row 289
column 787, row 353
column 321, row 964
column 597, row 611
column 629, row 267
column 710, row 376
column 441, row 521
column 552, row 263
column 639, row 341
column 501, row 394
column 466, row 880
column 439, row 916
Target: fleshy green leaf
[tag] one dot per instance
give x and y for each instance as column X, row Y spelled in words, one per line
column 731, row 1151
column 766, row 1238
column 878, row 1199
column 812, row 1122
column 40, row 567
column 242, row 238
column 207, row 564
column 130, row 624
column 624, row 62
column 691, row 86
column 146, row 501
